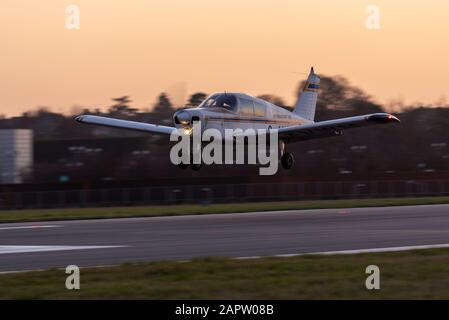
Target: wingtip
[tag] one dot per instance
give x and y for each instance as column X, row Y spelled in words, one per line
column 79, row 118
column 395, row 119
column 384, row 118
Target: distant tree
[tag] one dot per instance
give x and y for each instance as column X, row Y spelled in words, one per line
column 276, row 100
column 77, row 109
column 42, row 111
column 196, row 99
column 38, row 112
column 122, row 108
column 337, row 97
column 95, row 111
column 335, row 91
column 163, row 105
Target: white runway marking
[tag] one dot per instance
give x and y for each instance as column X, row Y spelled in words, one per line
column 28, row 249
column 388, row 249
column 372, row 250
column 30, row 227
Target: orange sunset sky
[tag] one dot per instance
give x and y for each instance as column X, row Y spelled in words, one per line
column 142, row 47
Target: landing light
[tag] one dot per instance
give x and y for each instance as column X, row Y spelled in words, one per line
column 187, row 131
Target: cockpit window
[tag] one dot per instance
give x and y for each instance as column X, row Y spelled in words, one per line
column 221, row 100
column 259, row 109
column 246, row 107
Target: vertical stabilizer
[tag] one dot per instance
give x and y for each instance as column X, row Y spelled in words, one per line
column 306, row 104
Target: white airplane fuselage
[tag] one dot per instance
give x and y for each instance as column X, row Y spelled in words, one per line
column 267, row 116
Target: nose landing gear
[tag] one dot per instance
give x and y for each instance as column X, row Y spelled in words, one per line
column 287, row 159
column 183, row 166
column 195, row 166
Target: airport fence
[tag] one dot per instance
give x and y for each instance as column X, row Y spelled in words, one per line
column 228, row 193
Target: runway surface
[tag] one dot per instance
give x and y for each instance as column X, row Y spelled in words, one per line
column 29, row 246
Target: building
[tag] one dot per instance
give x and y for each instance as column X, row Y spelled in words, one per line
column 16, row 154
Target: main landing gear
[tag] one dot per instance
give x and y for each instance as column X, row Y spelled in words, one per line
column 287, row 159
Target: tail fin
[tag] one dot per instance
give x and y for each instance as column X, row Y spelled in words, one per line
column 306, row 104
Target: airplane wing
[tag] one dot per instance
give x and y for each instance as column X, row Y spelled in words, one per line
column 332, row 127
column 124, row 124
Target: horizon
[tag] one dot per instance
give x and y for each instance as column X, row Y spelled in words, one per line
column 256, row 47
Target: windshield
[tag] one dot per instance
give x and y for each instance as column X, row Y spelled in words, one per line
column 221, row 100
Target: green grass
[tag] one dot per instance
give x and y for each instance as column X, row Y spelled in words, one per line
column 420, row 274
column 174, row 210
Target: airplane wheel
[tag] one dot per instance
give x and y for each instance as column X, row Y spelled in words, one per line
column 287, row 161
column 183, row 166
column 195, row 167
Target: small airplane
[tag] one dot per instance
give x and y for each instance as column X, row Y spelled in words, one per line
column 237, row 110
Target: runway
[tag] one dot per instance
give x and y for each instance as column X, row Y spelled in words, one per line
column 30, row 246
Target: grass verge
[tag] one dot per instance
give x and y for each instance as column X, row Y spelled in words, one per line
column 420, row 274
column 176, row 210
